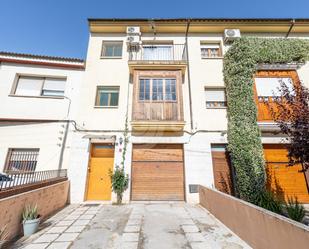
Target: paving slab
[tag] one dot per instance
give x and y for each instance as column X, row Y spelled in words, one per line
column 131, row 237
column 37, row 246
column 57, row 229
column 65, row 223
column 59, row 245
column 67, row 237
column 75, row 229
column 46, row 238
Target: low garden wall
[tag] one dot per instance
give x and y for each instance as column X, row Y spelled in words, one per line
column 260, row 228
column 49, row 199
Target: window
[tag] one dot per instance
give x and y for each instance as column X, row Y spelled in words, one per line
column 215, row 97
column 21, row 160
column 157, row 89
column 40, row 86
column 112, row 49
column 107, row 96
column 269, row 87
column 211, row 50
column 157, row 52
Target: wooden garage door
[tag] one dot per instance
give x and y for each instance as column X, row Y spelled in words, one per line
column 284, row 180
column 157, row 172
column 222, row 169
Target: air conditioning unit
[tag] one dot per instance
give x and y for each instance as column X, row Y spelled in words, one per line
column 133, row 30
column 133, row 40
column 231, row 34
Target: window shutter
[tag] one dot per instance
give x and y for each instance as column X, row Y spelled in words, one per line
column 29, row 86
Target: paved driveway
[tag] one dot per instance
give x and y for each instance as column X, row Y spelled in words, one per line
column 137, row 226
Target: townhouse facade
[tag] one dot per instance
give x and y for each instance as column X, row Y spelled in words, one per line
column 38, row 96
column 163, row 79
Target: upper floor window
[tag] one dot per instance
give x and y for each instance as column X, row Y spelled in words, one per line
column 215, row 97
column 157, row 89
column 40, row 86
column 267, row 88
column 21, row 160
column 112, row 49
column 211, row 50
column 107, row 96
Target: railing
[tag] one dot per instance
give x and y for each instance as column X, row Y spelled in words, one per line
column 14, row 180
column 158, row 52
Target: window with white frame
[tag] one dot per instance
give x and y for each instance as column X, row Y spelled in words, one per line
column 21, row 160
column 157, row 89
column 215, row 97
column 269, row 87
column 211, row 50
column 111, row 49
column 40, row 86
column 107, row 96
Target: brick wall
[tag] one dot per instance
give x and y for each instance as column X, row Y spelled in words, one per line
column 49, row 199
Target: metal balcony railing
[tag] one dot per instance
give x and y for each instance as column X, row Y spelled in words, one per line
column 15, row 179
column 158, row 52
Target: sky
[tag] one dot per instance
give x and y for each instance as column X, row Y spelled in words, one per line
column 60, row 27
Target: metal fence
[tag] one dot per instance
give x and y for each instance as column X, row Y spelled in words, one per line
column 158, row 52
column 13, row 180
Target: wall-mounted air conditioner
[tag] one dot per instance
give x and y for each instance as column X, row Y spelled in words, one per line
column 133, row 30
column 133, row 39
column 231, row 34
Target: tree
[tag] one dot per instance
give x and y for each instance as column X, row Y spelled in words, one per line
column 291, row 112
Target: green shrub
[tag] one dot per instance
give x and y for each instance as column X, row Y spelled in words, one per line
column 267, row 200
column 30, row 212
column 244, row 142
column 120, row 182
column 295, row 210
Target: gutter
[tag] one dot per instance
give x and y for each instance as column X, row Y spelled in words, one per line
column 189, row 76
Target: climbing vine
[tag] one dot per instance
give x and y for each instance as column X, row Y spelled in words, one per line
column 240, row 64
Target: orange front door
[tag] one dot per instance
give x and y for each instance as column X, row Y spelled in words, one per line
column 101, row 162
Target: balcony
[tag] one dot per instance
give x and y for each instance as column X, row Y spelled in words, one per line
column 158, row 57
column 157, row 101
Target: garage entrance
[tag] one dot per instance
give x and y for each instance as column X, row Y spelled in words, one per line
column 157, row 172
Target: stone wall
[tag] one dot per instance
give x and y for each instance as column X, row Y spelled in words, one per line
column 49, row 199
column 260, row 228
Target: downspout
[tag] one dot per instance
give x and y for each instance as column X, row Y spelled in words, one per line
column 67, row 125
column 189, row 77
column 290, row 29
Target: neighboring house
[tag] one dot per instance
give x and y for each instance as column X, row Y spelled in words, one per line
column 166, row 76
column 38, row 96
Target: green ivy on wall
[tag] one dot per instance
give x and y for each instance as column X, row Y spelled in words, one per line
column 240, row 64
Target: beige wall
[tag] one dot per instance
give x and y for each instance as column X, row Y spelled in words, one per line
column 260, row 228
column 49, row 200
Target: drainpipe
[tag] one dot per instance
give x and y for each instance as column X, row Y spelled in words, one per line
column 290, row 29
column 189, row 77
column 64, row 137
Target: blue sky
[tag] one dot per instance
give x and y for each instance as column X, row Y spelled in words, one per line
column 59, row 27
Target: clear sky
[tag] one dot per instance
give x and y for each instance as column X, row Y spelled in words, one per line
column 60, row 28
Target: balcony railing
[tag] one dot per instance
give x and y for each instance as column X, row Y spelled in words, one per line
column 158, row 52
column 16, row 180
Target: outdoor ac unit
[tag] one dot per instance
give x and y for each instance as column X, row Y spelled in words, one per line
column 231, row 34
column 133, row 30
column 133, row 39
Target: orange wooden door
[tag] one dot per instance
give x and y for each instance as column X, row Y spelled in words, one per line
column 222, row 169
column 101, row 162
column 157, row 172
column 285, row 181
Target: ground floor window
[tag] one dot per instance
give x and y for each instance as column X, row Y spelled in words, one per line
column 21, row 160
